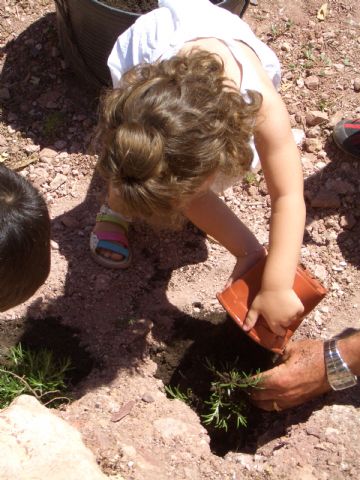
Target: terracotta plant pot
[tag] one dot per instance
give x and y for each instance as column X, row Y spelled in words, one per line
column 238, row 298
column 88, row 29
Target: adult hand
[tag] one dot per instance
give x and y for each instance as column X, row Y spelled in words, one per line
column 278, row 307
column 300, row 377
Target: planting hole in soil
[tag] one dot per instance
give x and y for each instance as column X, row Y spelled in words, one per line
column 203, row 365
column 138, row 6
column 48, row 334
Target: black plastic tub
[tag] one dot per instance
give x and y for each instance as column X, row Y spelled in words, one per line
column 88, row 29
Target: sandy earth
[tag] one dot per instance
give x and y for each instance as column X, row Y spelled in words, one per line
column 125, row 318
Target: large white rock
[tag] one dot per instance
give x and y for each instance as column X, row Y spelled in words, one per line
column 37, row 445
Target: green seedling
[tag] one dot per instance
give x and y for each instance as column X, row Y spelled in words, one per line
column 325, row 60
column 53, row 123
column 277, row 30
column 308, row 52
column 35, row 373
column 228, row 402
column 176, row 393
column 250, row 178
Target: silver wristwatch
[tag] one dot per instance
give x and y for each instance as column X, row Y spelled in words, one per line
column 338, row 373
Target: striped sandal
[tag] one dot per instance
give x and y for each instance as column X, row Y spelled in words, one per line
column 116, row 242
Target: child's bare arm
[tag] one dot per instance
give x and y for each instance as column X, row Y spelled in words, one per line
column 281, row 165
column 210, row 214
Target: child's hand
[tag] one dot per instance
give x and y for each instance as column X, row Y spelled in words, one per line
column 278, row 307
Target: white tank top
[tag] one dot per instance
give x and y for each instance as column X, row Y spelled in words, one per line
column 162, row 33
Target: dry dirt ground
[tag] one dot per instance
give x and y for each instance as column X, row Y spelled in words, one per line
column 126, row 319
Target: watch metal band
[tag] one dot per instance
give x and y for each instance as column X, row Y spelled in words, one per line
column 338, row 373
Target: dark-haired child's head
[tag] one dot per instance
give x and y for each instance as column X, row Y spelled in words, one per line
column 24, row 239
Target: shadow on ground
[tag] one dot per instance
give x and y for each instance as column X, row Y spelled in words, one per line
column 45, row 101
column 112, row 312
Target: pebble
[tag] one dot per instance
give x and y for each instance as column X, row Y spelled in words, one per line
column 32, row 148
column 147, row 398
column 47, row 153
column 326, row 199
column 312, row 82
column 70, row 221
column 316, row 117
column 313, row 145
column 299, row 135
column 59, row 180
column 357, row 85
column 54, row 245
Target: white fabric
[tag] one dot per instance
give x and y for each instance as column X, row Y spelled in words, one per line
column 161, row 33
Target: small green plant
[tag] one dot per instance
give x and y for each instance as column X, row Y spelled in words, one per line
column 322, row 104
column 228, row 402
column 308, row 52
column 53, row 122
column 250, row 178
column 176, row 393
column 35, row 373
column 325, row 60
column 277, row 30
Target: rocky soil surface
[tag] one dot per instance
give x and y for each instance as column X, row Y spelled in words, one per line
column 125, row 318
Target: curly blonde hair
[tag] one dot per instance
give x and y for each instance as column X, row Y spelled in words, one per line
column 168, row 128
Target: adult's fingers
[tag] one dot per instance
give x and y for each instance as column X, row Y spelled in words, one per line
column 268, row 385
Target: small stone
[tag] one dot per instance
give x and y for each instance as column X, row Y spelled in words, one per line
column 318, row 318
column 325, row 199
column 286, row 47
column 70, row 221
column 299, row 135
column 31, row 148
column 313, row 145
column 320, row 272
column 313, row 132
column 312, row 82
column 320, row 165
column 316, row 117
column 147, row 398
column 54, row 245
column 357, row 85
column 46, row 154
column 348, row 221
column 59, row 180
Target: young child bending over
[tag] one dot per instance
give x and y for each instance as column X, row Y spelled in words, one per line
column 193, row 88
column 24, row 239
